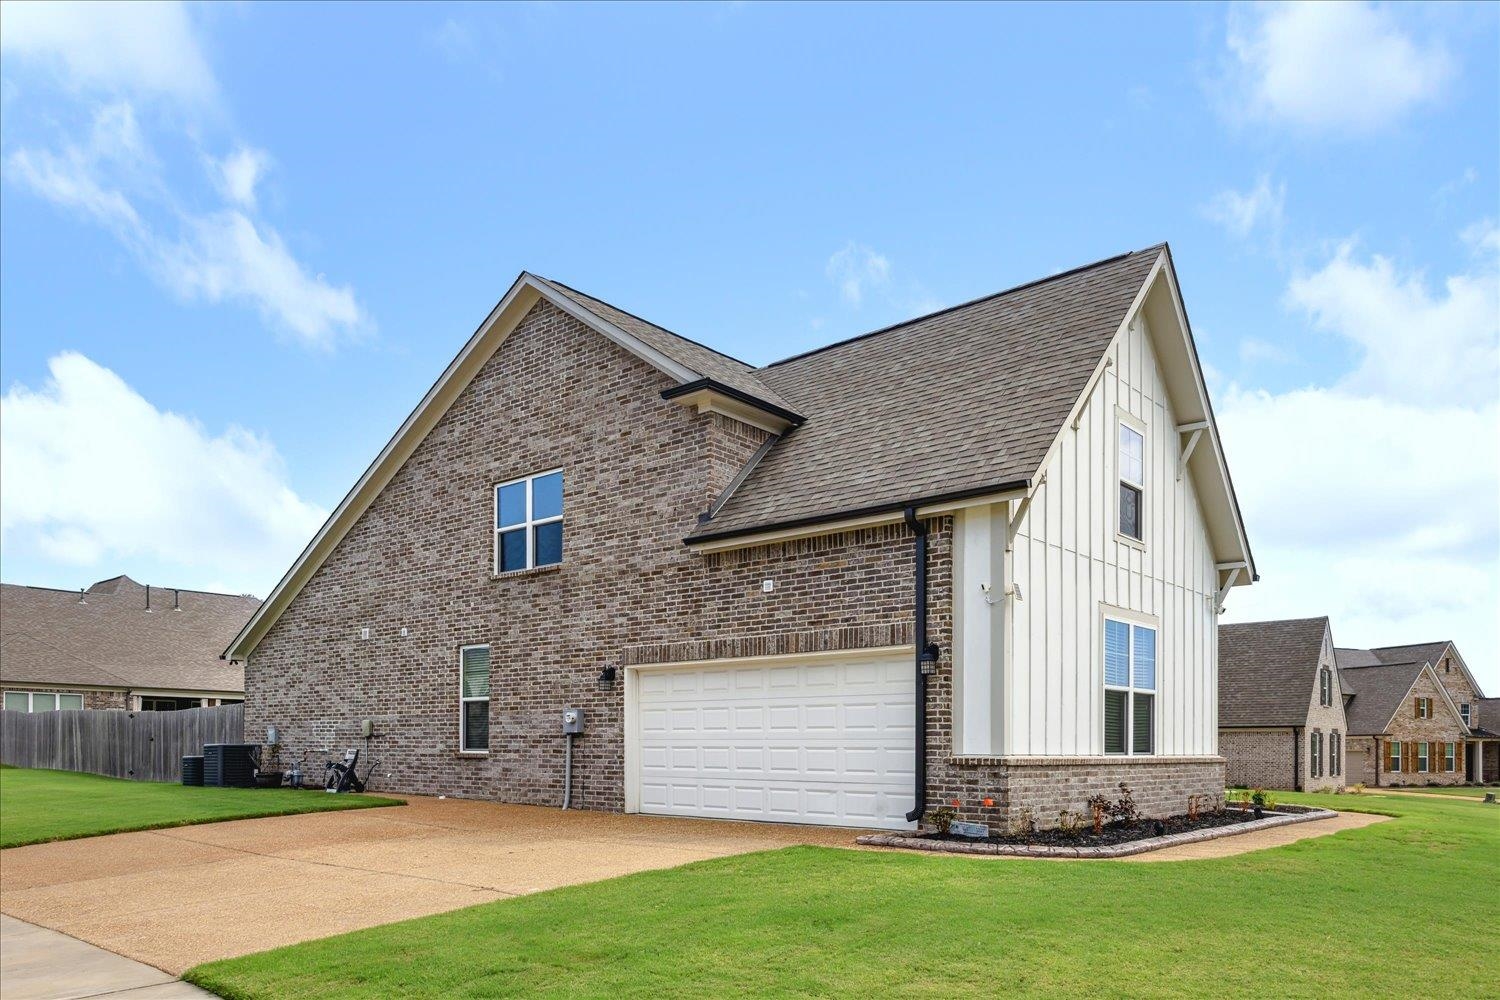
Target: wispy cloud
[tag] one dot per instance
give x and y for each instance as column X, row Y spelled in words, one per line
column 108, row 60
column 855, row 269
column 1347, row 67
column 1244, row 212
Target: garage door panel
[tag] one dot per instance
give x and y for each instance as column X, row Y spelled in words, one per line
column 828, row 742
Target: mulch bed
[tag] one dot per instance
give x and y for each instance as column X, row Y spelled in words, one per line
column 1113, row 833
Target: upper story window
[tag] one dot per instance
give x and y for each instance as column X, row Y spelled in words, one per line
column 1424, row 708
column 42, row 701
column 1132, row 482
column 1129, row 688
column 1325, row 686
column 1463, row 711
column 529, row 522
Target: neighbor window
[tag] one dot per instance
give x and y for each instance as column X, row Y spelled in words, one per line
column 1325, row 686
column 1132, row 481
column 1129, row 688
column 1422, row 759
column 42, row 701
column 1317, row 754
column 1424, row 708
column 1463, row 711
column 1393, row 756
column 474, row 699
column 529, row 522
column 1335, row 754
column 1450, row 756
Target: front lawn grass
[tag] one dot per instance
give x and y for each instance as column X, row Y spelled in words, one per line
column 1462, row 791
column 38, row 806
column 1320, row 918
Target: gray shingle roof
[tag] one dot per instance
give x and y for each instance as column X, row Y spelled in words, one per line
column 110, row 640
column 960, row 401
column 1268, row 671
column 689, row 353
column 1420, row 652
column 1377, row 692
column 1486, row 715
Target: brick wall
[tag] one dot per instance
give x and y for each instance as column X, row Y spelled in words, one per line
column 1454, row 681
column 1258, row 758
column 1441, row 728
column 638, row 471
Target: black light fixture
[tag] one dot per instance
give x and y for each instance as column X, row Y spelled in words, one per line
column 929, row 658
column 607, row 678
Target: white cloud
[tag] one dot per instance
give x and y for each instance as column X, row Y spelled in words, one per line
column 1375, row 499
column 92, row 473
column 238, row 174
column 144, row 49
column 1415, row 343
column 1241, row 213
column 1343, row 66
column 855, row 269
column 1253, row 350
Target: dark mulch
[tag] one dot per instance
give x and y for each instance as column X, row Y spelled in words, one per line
column 1113, row 833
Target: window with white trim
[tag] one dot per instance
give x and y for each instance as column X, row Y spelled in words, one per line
column 1325, row 686
column 42, row 701
column 1393, row 756
column 1422, row 756
column 1317, row 754
column 1450, row 756
column 1424, row 708
column 474, row 699
column 1335, row 753
column 1132, row 503
column 529, row 522
column 1463, row 712
column 1129, row 688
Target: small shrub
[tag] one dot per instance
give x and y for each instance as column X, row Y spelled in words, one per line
column 1098, row 809
column 1071, row 822
column 1023, row 826
column 1358, row 788
column 1270, row 801
column 1124, row 810
column 1239, row 798
column 1258, row 797
column 941, row 819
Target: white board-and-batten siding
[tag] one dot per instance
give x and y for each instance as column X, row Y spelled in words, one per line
column 1029, row 670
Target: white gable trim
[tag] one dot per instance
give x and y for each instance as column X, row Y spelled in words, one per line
column 527, row 290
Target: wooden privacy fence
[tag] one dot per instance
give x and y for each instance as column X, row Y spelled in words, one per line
column 146, row 746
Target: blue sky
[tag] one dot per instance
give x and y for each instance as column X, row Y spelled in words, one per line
column 239, row 242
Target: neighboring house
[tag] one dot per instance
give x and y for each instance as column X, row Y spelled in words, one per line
column 1281, row 707
column 118, row 644
column 1404, row 726
column 976, row 557
column 1483, row 757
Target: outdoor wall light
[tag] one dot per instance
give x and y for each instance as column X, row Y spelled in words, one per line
column 929, row 658
column 606, row 678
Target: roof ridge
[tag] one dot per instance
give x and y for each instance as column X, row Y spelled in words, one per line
column 1408, row 645
column 963, row 305
column 697, row 343
column 104, row 593
column 1277, row 621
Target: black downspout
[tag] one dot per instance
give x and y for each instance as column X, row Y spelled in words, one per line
column 920, row 614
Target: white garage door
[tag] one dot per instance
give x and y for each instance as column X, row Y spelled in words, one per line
column 829, row 741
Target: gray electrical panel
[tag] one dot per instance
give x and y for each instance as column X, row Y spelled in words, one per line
column 572, row 720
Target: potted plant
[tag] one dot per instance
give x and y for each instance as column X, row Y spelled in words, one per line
column 268, row 772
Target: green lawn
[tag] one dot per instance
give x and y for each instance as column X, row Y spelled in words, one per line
column 1334, row 916
column 1462, row 791
column 37, row 806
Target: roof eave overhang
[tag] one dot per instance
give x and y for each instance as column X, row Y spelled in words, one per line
column 708, row 395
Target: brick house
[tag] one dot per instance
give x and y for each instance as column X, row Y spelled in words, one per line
column 1281, row 706
column 118, row 644
column 975, row 557
column 1405, row 726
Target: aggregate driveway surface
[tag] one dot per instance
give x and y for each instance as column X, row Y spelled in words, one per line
column 176, row 898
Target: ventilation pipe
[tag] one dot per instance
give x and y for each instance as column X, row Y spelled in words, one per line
column 923, row 657
column 148, row 598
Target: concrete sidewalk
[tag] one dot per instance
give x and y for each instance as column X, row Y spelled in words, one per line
column 38, row 964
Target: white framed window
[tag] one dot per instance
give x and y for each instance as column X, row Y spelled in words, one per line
column 529, row 522
column 1325, row 686
column 1131, row 505
column 1393, row 756
column 1129, row 688
column 43, row 701
column 1335, row 754
column 1424, row 708
column 474, row 699
column 1450, row 756
column 1463, row 711
column 1423, row 760
column 1317, row 754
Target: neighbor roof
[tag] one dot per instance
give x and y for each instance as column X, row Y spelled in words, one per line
column 963, row 400
column 1487, row 716
column 1268, row 670
column 109, row 639
column 1377, row 693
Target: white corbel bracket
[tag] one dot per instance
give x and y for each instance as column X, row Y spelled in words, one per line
column 1194, row 431
column 1013, row 524
column 1234, row 570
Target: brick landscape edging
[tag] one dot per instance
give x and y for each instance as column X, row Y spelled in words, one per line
column 919, row 842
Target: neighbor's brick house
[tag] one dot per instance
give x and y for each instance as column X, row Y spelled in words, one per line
column 1281, row 706
column 719, row 565
column 1405, row 726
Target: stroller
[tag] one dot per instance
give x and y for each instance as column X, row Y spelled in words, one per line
column 341, row 776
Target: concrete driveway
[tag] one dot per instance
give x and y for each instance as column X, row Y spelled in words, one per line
column 175, row 898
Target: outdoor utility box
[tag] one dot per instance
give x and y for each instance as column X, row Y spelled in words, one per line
column 572, row 720
column 229, row 765
column 192, row 770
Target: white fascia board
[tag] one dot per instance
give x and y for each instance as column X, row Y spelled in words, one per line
column 487, row 339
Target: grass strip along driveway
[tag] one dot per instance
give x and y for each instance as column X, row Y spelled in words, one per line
column 1320, row 917
column 38, row 806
